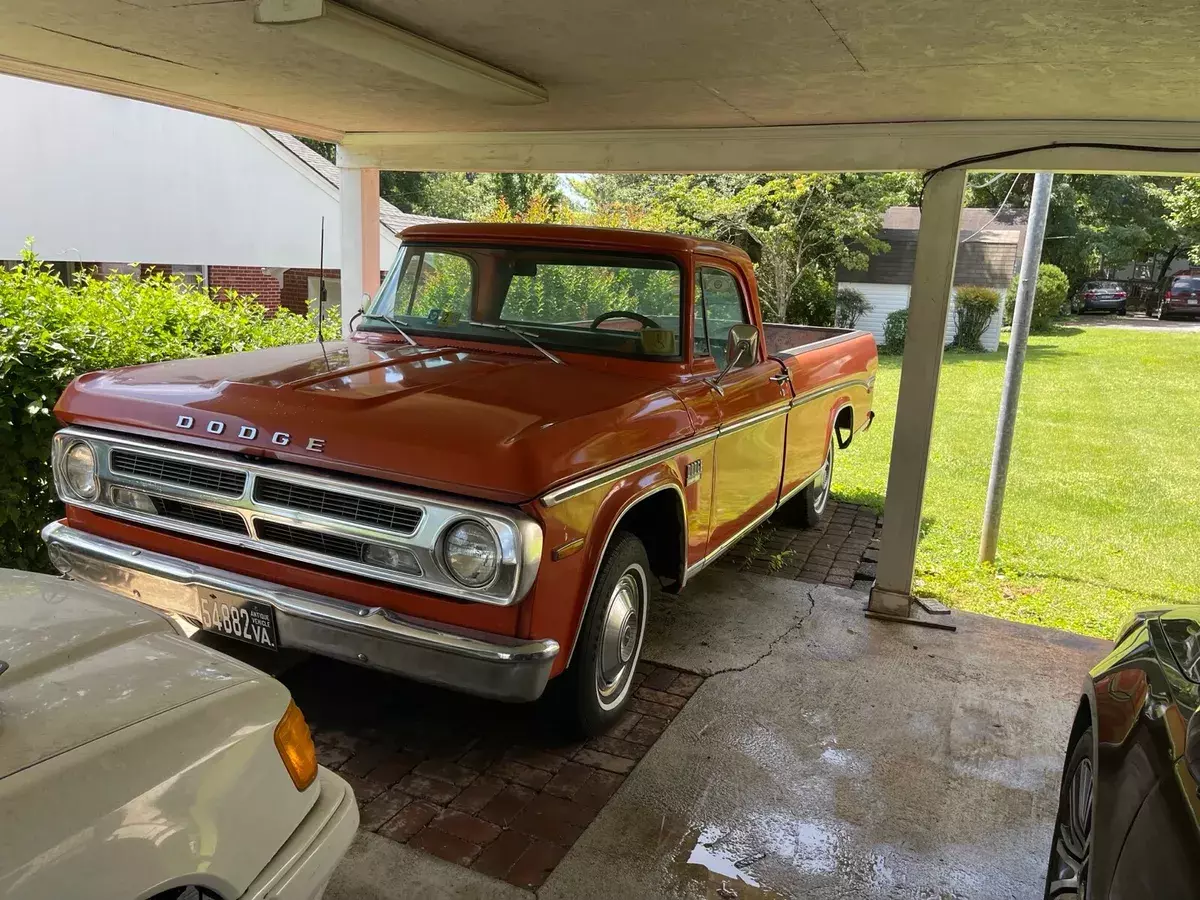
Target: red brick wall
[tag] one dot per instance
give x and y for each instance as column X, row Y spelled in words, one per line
column 148, row 269
column 292, row 295
column 246, row 280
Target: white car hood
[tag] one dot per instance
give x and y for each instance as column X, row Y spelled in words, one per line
column 84, row 663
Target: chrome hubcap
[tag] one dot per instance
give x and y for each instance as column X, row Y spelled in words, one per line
column 621, row 636
column 823, row 482
column 1073, row 841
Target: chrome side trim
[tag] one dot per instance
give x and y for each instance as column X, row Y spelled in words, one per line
column 831, row 389
column 520, row 537
column 653, row 457
column 693, row 570
column 604, row 549
column 746, row 422
column 629, row 467
column 489, row 665
column 798, row 488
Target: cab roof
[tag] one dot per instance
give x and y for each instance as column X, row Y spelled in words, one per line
column 616, row 239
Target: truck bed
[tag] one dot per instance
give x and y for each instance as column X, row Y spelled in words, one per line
column 789, row 340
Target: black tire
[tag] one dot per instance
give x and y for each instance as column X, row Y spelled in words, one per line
column 599, row 683
column 1163, row 315
column 806, row 508
column 1071, row 847
column 1121, row 311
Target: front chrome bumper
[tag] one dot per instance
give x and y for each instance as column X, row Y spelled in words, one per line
column 475, row 662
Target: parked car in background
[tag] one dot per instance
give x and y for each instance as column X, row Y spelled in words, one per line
column 137, row 764
column 1129, row 810
column 1181, row 298
column 1100, row 296
column 532, row 429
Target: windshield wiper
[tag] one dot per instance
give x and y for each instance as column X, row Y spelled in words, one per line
column 523, row 336
column 400, row 331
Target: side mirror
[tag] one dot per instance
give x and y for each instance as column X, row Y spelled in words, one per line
column 742, row 348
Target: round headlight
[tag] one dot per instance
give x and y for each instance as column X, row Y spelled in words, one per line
column 79, row 471
column 471, row 554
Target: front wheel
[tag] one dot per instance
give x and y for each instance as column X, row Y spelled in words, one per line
column 1071, row 850
column 600, row 681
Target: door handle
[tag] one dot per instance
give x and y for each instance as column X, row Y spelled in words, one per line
column 781, row 378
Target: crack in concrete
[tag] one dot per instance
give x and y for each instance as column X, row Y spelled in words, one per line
column 775, row 642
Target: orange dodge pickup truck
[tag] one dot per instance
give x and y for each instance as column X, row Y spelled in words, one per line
column 530, row 431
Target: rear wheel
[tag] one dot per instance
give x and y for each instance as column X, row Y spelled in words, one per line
column 1162, row 315
column 599, row 683
column 806, row 508
column 1071, row 852
column 1120, row 310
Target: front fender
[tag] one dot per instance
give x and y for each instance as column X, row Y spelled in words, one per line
column 577, row 534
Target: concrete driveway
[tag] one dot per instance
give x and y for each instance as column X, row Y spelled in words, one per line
column 1136, row 321
column 823, row 756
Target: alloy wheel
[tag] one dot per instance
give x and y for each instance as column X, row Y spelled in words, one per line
column 1072, row 851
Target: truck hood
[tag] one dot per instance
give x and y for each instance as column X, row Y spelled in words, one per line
column 83, row 663
column 497, row 425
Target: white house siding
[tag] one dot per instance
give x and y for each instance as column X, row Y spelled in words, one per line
column 92, row 177
column 886, row 298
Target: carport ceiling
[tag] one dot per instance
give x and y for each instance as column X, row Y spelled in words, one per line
column 631, row 64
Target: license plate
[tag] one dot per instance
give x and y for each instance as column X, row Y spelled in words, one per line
column 1191, row 301
column 243, row 620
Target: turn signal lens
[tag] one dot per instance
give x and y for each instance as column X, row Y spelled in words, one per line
column 295, row 746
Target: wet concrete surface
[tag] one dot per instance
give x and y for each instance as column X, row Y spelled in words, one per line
column 830, row 756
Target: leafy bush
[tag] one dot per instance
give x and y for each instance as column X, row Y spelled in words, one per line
column 1049, row 297
column 850, row 305
column 974, row 307
column 895, row 328
column 49, row 333
column 812, row 301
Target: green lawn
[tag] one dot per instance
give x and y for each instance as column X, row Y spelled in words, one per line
column 1102, row 513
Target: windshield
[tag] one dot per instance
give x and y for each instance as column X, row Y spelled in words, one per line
column 565, row 300
column 1101, row 286
column 1185, row 284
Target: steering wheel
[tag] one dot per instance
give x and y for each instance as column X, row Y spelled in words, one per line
column 646, row 321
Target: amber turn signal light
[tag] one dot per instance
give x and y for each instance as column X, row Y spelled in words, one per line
column 295, row 746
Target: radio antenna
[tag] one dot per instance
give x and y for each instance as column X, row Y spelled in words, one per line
column 321, row 296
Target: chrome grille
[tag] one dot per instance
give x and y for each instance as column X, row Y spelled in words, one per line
column 199, row 515
column 154, row 468
column 363, row 510
column 305, row 539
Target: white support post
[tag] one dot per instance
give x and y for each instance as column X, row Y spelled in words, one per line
column 928, row 305
column 360, row 237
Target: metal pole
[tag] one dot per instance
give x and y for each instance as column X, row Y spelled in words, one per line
column 1039, row 206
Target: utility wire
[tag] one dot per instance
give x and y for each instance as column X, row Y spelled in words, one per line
column 999, row 210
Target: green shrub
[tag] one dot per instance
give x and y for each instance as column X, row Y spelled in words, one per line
column 895, row 327
column 974, row 307
column 1049, row 297
column 49, row 333
column 849, row 305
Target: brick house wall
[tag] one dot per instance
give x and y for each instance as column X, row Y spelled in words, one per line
column 247, row 280
column 292, row 294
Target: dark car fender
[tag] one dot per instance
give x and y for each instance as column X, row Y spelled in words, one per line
column 1128, row 761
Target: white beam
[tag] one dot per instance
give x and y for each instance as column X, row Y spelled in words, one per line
column 917, row 146
column 360, row 238
column 929, row 302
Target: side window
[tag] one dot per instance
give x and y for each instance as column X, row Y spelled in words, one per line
column 719, row 306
